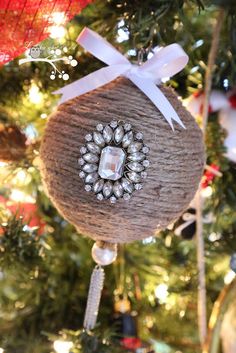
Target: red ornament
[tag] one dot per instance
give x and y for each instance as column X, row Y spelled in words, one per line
column 210, row 110
column 198, row 94
column 27, row 210
column 26, row 23
column 209, row 176
column 232, row 100
column 131, row 343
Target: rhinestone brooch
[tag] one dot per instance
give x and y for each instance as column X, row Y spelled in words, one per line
column 113, row 161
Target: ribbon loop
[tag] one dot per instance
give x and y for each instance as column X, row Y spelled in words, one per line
column 100, row 48
column 166, row 62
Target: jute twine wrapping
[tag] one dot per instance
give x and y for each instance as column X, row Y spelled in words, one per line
column 176, row 163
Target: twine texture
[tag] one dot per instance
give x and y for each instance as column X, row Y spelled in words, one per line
column 176, row 163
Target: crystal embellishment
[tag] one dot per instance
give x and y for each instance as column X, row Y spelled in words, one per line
column 112, row 162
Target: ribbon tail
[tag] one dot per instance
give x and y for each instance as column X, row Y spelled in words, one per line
column 90, row 82
column 149, row 88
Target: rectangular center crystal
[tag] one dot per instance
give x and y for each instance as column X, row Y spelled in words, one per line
column 112, row 162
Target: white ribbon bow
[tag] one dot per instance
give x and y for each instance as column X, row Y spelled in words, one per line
column 166, row 62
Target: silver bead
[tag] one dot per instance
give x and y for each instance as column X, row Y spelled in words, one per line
column 100, row 196
column 118, row 134
column 83, row 149
column 92, row 147
column 127, row 185
column 136, row 157
column 146, row 163
column 113, row 199
column 144, row 175
column 82, row 175
column 99, row 127
column 135, row 147
column 90, row 157
column 107, row 134
column 138, row 186
column 91, row 178
column 107, row 189
column 135, row 166
column 145, row 149
column 118, row 189
column 126, row 197
column 139, row 135
column 81, row 161
column 113, row 124
column 134, row 177
column 98, row 186
column 98, row 139
column 127, row 126
column 88, row 137
column 88, row 187
column 127, row 139
column 103, row 256
column 90, row 168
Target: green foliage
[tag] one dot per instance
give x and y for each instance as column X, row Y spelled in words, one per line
column 91, row 342
column 19, row 246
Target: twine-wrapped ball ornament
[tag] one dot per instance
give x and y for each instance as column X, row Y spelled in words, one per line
column 110, row 162
column 176, row 161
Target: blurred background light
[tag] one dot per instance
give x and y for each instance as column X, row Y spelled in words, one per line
column 161, row 292
column 62, row 346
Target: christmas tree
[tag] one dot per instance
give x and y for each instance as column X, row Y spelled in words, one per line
column 161, row 292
